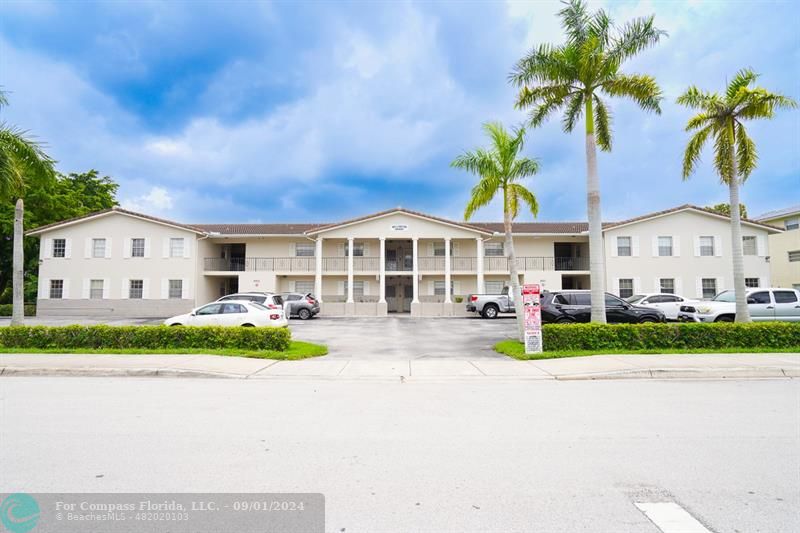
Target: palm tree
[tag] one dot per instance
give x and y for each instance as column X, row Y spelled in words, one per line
column 722, row 117
column 500, row 171
column 572, row 76
column 20, row 159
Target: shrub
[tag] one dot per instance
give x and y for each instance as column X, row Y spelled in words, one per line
column 5, row 309
column 144, row 337
column 674, row 336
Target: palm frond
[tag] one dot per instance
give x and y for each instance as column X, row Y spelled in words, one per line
column 529, row 96
column 479, row 162
column 740, row 81
column 699, row 120
column 21, row 158
column 524, row 168
column 602, row 124
column 640, row 88
column 482, row 194
column 544, row 64
column 520, row 192
column 635, row 36
column 691, row 155
column 759, row 103
column 695, row 98
column 574, row 20
column 724, row 153
column 3, row 98
column 746, row 153
column 600, row 25
column 573, row 111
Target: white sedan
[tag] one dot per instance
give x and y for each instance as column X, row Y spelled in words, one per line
column 231, row 313
column 669, row 304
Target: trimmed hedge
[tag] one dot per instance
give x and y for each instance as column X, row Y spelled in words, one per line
column 5, row 310
column 556, row 337
column 144, row 337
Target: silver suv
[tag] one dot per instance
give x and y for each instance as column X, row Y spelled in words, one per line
column 303, row 306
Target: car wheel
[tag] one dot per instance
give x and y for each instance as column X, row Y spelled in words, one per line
column 304, row 314
column 724, row 318
column 248, row 326
column 564, row 320
column 647, row 320
column 490, row 311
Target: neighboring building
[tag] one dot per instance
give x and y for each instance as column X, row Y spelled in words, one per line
column 784, row 247
column 402, row 261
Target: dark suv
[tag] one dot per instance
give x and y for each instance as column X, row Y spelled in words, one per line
column 576, row 306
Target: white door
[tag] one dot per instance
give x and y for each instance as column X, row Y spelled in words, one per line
column 207, row 315
column 787, row 305
column 761, row 306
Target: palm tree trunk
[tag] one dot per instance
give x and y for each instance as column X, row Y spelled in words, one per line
column 596, row 262
column 512, row 267
column 742, row 312
column 18, row 307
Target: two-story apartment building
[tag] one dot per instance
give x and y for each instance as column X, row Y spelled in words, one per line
column 397, row 261
column 784, row 247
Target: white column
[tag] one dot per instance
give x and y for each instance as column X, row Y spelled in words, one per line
column 318, row 270
column 447, row 271
column 415, row 269
column 350, row 270
column 382, row 268
column 479, row 243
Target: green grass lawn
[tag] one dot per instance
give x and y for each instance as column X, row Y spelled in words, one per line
column 297, row 350
column 516, row 349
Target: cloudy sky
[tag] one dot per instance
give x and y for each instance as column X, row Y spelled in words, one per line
column 319, row 111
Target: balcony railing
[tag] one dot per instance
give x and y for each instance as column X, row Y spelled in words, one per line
column 372, row 264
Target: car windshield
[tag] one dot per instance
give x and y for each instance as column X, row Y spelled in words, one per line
column 258, row 306
column 635, row 298
column 725, row 296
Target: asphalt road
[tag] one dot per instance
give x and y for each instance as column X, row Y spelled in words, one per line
column 434, row 456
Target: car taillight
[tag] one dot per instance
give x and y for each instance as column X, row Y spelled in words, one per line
column 272, row 306
column 473, row 298
column 311, row 301
column 274, row 317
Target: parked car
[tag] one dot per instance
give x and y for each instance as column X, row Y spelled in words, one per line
column 303, row 306
column 490, row 305
column 670, row 304
column 231, row 313
column 267, row 299
column 764, row 305
column 576, row 306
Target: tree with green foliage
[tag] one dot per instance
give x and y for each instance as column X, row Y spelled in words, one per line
column 573, row 77
column 722, row 117
column 725, row 209
column 500, row 170
column 22, row 161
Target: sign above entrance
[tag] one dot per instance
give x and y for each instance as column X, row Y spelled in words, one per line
column 399, row 227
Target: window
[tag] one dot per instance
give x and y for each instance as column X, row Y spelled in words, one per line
column 759, row 298
column 176, row 289
column 233, row 308
column 59, row 247
column 792, row 223
column 493, row 249
column 625, row 288
column 624, row 247
column 785, row 297
column 438, row 249
column 751, row 283
column 212, row 309
column 709, row 287
column 98, row 247
column 613, row 301
column 56, row 288
column 706, row 246
column 304, row 249
column 494, row 287
column 438, row 288
column 749, row 245
column 136, row 289
column 667, row 285
column 794, row 256
column 358, row 249
column 665, row 246
column 175, row 247
column 137, row 247
column 358, row 288
column 96, row 289
column 304, row 287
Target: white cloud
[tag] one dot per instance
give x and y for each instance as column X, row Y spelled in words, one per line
column 157, row 200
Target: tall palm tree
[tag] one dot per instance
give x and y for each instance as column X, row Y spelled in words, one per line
column 20, row 159
column 722, row 117
column 573, row 76
column 500, row 170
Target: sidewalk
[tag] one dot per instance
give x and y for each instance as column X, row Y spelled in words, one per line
column 705, row 366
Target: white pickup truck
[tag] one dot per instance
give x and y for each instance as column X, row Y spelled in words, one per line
column 764, row 305
column 490, row 305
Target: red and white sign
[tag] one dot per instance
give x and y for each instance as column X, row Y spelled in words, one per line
column 531, row 301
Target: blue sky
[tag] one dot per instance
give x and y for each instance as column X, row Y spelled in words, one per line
column 320, row 111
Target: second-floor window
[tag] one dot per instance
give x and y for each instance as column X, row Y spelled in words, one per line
column 438, row 249
column 176, row 247
column 59, row 247
column 707, row 246
column 794, row 256
column 358, row 249
column 665, row 246
column 792, row 223
column 98, row 247
column 304, row 249
column 749, row 245
column 493, row 249
column 137, row 247
column 624, row 246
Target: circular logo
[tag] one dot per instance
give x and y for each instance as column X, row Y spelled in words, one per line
column 19, row 513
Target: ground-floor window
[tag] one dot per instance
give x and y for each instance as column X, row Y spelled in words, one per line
column 667, row 286
column 136, row 289
column 438, row 288
column 358, row 288
column 709, row 287
column 625, row 288
column 176, row 288
column 56, row 289
column 492, row 287
column 96, row 289
column 305, row 287
column 751, row 283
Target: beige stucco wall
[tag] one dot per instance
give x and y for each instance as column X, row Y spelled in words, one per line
column 784, row 273
column 645, row 267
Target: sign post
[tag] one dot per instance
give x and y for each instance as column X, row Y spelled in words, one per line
column 531, row 301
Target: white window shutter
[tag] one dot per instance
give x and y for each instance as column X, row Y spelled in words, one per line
column 45, row 248
column 147, row 247
column 637, row 285
column 145, row 288
column 65, row 293
column 85, row 291
column 678, row 286
column 763, row 281
column 186, row 288
column 106, row 288
column 655, row 246
column 698, row 287
column 697, row 246
column 108, row 249
column 292, row 249
column 717, row 246
column 341, row 286
column 44, row 288
column 454, row 249
column 635, row 246
column 761, row 245
column 720, row 284
column 656, row 284
column 615, row 247
column 164, row 288
column 187, row 248
column 67, row 248
column 366, row 249
column 87, row 248
column 676, row 245
column 431, row 249
column 366, row 288
column 341, row 247
column 165, row 247
column 125, row 288
column 616, row 286
column 126, row 248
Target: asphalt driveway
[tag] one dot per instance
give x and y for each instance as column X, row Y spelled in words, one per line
column 403, row 337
